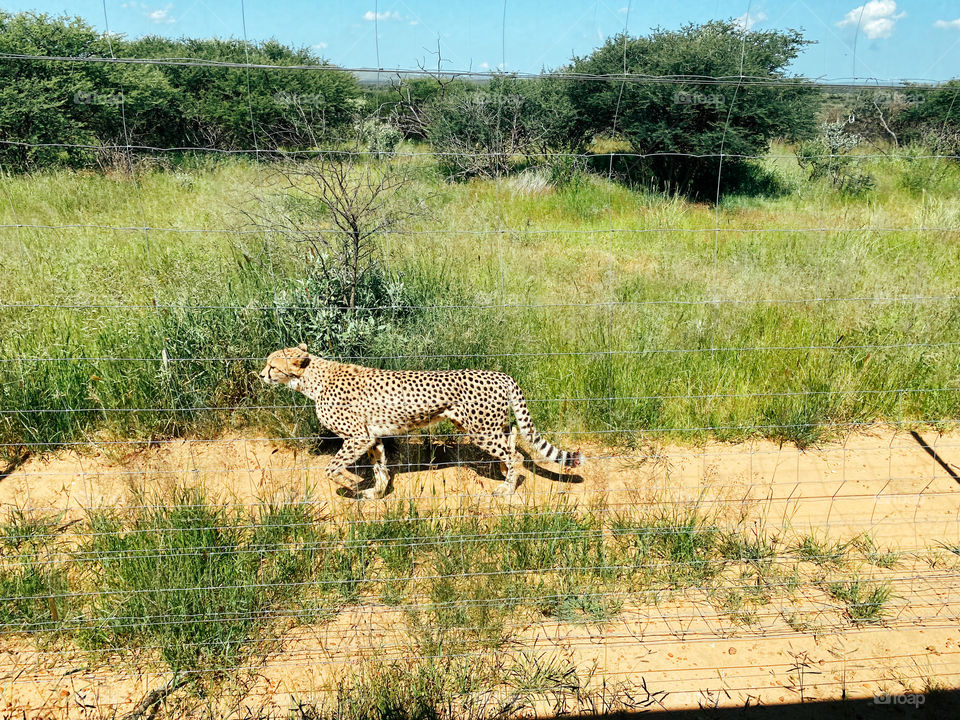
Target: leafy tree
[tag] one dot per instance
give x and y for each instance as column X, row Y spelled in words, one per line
column 935, row 121
column 485, row 132
column 236, row 108
column 408, row 99
column 58, row 112
column 923, row 116
column 52, row 112
column 696, row 117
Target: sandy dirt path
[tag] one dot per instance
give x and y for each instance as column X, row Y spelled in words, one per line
column 685, row 648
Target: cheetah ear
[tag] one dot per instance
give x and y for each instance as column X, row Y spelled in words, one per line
column 301, row 362
column 302, row 346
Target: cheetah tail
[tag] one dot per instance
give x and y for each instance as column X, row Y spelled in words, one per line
column 545, row 449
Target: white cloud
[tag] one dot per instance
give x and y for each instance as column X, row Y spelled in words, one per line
column 749, row 19
column 162, row 16
column 484, row 66
column 876, row 18
column 320, row 46
column 948, row 24
column 370, row 15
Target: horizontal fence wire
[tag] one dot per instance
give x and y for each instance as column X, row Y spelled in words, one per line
column 529, row 400
column 850, row 663
column 481, row 355
column 320, row 152
column 500, row 231
column 619, row 78
column 488, row 306
column 586, row 434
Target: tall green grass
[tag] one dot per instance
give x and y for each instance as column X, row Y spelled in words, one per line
column 33, row 574
column 498, row 278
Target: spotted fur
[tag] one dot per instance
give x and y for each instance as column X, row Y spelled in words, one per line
column 364, row 405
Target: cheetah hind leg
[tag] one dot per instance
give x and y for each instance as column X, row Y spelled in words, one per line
column 510, row 459
column 511, row 432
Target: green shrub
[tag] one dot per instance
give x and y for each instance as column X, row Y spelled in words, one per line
column 61, row 113
column 311, row 309
column 681, row 128
column 379, row 138
column 934, row 122
column 487, row 132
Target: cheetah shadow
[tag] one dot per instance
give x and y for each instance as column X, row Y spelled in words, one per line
column 417, row 455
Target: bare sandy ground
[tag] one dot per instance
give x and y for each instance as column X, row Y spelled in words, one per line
column 689, row 651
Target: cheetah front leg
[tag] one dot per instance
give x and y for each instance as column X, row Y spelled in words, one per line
column 381, row 475
column 353, row 448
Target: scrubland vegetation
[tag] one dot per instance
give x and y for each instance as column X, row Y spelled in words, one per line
column 202, row 590
column 512, row 230
column 635, row 284
column 621, row 311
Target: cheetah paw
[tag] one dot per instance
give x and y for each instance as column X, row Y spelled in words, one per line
column 504, row 489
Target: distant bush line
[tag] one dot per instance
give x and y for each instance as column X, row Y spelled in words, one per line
column 668, row 135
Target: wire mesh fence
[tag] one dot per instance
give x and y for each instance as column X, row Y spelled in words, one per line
column 763, row 388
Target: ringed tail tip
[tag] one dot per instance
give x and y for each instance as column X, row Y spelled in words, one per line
column 574, row 459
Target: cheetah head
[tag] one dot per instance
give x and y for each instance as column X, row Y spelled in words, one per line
column 286, row 367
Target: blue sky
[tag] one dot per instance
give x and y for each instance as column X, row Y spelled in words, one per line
column 896, row 39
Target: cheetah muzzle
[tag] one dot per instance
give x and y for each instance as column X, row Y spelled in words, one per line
column 364, row 405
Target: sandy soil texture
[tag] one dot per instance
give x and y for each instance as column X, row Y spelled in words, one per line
column 901, row 488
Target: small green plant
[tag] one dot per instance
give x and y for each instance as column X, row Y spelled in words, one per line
column 582, row 606
column 802, row 622
column 921, row 173
column 830, row 156
column 738, row 607
column 881, row 558
column 312, row 308
column 864, row 601
column 388, row 691
column 380, row 138
column 679, row 549
column 810, row 548
column 756, row 550
column 467, row 607
column 537, row 676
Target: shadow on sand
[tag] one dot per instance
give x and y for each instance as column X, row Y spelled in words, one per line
column 418, row 455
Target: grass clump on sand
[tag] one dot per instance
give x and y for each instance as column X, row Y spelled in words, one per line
column 205, row 588
column 34, row 589
column 191, row 579
column 864, row 601
column 486, row 687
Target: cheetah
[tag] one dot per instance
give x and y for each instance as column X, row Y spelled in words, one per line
column 364, row 405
